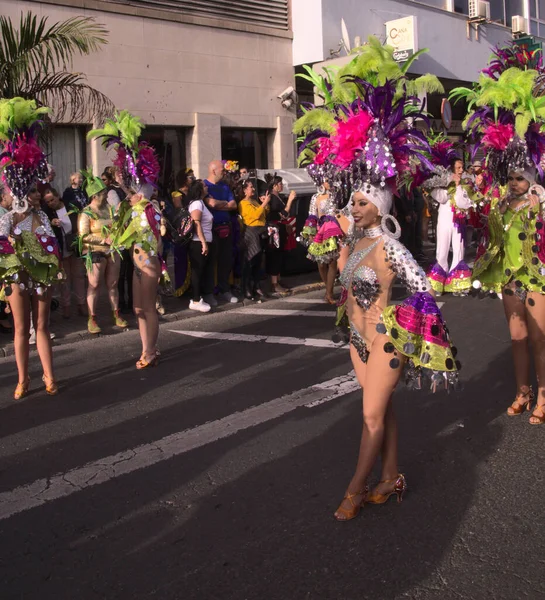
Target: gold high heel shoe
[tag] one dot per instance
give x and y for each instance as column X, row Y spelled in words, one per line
column 400, row 488
column 51, row 388
column 22, row 389
column 144, row 363
column 354, row 510
column 517, row 408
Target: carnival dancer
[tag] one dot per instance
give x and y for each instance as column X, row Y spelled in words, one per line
column 324, row 241
column 386, row 340
column 29, row 253
column 137, row 224
column 95, row 242
column 507, row 122
column 455, row 201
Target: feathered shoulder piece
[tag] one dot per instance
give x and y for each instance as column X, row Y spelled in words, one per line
column 441, row 156
column 22, row 161
column 136, row 159
column 506, row 116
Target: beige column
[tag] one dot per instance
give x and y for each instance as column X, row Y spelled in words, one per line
column 283, row 144
column 203, row 143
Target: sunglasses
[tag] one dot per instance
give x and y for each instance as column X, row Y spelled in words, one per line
column 517, row 178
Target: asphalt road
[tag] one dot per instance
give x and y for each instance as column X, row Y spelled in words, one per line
column 216, row 475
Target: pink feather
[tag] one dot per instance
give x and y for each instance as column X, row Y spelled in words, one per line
column 498, row 136
column 350, row 138
column 325, row 148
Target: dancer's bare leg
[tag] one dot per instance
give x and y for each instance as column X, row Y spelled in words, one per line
column 144, row 295
column 515, row 313
column 94, row 278
column 535, row 306
column 41, row 306
column 113, row 265
column 19, row 303
column 379, row 381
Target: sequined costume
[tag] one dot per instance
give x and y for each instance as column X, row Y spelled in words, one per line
column 310, row 228
column 93, row 229
column 514, row 261
column 324, row 247
column 454, row 204
column 415, row 328
column 29, row 253
column 138, row 228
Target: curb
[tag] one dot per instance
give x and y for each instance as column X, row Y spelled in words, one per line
column 181, row 315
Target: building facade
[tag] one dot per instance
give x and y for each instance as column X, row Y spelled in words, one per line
column 458, row 46
column 203, row 76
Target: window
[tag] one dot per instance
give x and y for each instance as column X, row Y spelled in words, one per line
column 65, row 148
column 461, row 6
column 247, row 146
column 169, row 143
column 537, row 12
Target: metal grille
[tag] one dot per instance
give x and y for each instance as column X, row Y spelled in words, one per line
column 266, row 13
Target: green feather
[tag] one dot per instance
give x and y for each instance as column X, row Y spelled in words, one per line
column 316, row 118
column 17, row 114
column 428, row 84
column 124, row 126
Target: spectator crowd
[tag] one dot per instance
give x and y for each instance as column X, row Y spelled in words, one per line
column 222, row 238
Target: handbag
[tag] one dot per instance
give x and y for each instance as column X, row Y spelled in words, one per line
column 180, row 227
column 222, row 231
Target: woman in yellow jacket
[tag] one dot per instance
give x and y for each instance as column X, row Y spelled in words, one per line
column 253, row 214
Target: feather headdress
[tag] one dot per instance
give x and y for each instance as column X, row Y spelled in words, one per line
column 363, row 131
column 22, row 161
column 506, row 115
column 136, row 160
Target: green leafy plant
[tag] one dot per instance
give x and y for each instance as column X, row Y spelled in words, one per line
column 35, row 63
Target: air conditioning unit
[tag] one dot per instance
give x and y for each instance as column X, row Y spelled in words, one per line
column 479, row 9
column 519, row 24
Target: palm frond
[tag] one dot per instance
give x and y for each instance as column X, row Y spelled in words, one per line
column 35, row 60
column 70, row 97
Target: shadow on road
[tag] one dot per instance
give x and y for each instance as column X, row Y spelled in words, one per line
column 267, row 531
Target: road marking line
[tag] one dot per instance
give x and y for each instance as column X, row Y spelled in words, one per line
column 268, row 339
column 46, row 490
column 284, row 312
column 298, row 300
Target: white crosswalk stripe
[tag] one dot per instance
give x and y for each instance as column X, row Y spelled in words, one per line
column 268, row 339
column 46, row 490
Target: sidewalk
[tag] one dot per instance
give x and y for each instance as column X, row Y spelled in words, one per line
column 68, row 331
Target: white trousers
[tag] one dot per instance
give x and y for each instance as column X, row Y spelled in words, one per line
column 447, row 236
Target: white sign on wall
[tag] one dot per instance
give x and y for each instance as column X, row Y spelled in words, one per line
column 402, row 34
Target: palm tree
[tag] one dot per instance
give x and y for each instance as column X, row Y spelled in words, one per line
column 35, row 62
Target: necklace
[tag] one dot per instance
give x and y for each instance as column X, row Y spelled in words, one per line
column 373, row 232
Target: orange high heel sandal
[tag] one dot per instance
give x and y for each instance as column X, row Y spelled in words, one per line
column 538, row 419
column 143, row 363
column 517, row 408
column 354, row 510
column 51, row 388
column 400, row 488
column 21, row 390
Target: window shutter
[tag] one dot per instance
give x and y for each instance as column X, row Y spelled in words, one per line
column 266, row 13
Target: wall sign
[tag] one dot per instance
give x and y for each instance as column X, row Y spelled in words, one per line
column 402, row 34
